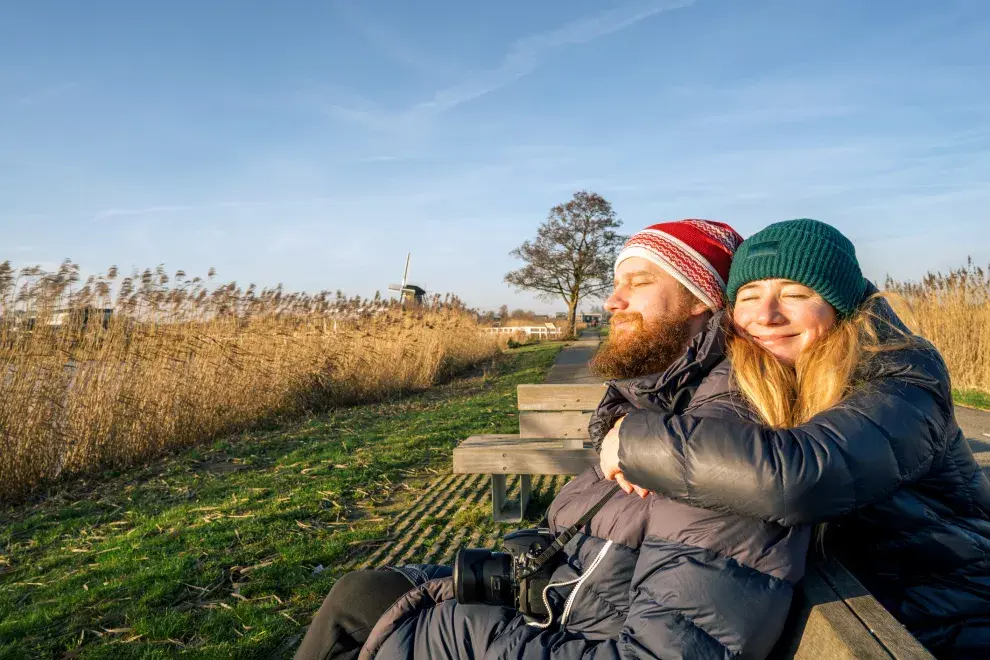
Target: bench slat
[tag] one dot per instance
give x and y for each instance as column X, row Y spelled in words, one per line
column 559, row 397
column 510, row 454
column 888, row 630
column 568, row 424
column 822, row 627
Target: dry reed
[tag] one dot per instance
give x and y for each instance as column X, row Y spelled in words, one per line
column 953, row 312
column 182, row 360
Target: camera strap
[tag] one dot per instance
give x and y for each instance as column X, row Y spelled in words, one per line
column 566, row 535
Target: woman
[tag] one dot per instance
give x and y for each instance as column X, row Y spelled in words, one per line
column 856, row 434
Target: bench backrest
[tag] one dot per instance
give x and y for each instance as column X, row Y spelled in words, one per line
column 833, row 616
column 557, row 411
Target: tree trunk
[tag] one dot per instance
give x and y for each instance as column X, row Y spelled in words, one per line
column 572, row 315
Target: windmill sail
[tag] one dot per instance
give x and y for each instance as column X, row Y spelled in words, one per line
column 399, row 288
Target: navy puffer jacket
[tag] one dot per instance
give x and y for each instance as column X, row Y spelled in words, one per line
column 646, row 578
column 888, row 468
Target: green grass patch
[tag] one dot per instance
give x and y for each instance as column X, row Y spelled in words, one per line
column 972, row 398
column 472, row 516
column 210, row 552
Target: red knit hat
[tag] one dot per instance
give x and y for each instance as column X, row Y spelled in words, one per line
column 697, row 253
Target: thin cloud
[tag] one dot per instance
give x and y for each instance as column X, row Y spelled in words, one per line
column 391, row 45
column 526, row 54
column 383, row 159
column 46, row 94
column 113, row 213
column 522, row 58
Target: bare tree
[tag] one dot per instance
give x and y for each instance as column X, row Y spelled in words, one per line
column 573, row 253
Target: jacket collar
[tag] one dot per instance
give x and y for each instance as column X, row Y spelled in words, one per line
column 674, row 388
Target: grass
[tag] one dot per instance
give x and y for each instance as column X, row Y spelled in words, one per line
column 972, row 398
column 210, row 552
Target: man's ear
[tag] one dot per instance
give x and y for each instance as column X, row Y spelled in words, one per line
column 699, row 308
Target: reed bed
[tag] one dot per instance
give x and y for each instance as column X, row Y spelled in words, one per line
column 180, row 360
column 953, row 311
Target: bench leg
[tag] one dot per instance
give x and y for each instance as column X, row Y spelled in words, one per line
column 524, row 486
column 498, row 496
column 503, row 511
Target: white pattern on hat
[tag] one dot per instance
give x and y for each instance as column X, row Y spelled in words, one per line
column 664, row 263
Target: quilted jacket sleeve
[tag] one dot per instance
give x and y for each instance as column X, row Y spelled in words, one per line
column 889, row 432
column 613, row 406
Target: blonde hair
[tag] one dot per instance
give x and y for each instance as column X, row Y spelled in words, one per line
column 825, row 373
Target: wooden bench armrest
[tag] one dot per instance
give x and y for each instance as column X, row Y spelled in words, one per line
column 511, row 454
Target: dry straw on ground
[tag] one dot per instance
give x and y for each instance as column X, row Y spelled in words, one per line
column 179, row 361
column 953, row 311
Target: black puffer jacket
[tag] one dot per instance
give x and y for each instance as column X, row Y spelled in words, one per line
column 889, row 470
column 646, row 578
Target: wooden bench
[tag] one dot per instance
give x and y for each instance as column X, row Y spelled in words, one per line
column 552, row 439
column 833, row 615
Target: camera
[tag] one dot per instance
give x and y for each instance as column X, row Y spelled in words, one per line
column 514, row 579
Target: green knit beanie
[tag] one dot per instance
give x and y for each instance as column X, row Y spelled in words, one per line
column 807, row 251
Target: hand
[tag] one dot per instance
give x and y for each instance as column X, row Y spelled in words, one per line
column 609, row 459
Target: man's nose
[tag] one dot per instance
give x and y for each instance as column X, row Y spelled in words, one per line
column 615, row 302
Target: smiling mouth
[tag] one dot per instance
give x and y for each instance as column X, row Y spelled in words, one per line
column 773, row 339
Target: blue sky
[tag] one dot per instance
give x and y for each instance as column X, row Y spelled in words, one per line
column 314, row 143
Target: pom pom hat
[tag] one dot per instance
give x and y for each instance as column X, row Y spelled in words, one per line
column 697, row 253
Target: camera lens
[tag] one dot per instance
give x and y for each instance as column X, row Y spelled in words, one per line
column 483, row 576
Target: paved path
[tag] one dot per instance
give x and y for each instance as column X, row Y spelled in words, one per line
column 571, row 365
column 976, row 425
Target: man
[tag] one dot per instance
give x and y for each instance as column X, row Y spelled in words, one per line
column 669, row 279
column 647, row 577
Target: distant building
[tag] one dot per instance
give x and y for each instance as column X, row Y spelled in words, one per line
column 27, row 319
column 594, row 320
column 412, row 293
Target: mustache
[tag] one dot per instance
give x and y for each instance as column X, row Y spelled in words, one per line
column 626, row 317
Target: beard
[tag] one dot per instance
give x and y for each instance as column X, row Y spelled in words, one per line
column 642, row 349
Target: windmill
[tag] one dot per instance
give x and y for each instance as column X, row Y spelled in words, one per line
column 406, row 291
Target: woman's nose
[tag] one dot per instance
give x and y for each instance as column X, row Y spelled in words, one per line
column 769, row 312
